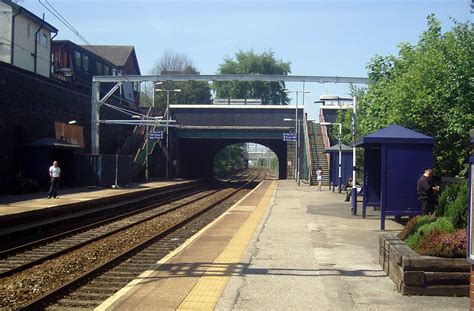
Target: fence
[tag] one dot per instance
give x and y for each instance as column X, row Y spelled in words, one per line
column 104, row 170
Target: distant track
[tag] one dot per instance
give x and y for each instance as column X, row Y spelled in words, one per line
column 158, row 244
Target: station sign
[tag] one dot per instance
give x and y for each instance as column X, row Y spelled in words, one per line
column 289, row 137
column 155, row 135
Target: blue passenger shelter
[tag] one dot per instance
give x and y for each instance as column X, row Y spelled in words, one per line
column 346, row 164
column 394, row 158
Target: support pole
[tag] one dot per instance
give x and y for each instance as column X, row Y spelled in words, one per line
column 354, row 187
column 340, row 158
column 95, row 118
column 116, row 186
column 146, row 150
column 297, row 138
column 168, row 133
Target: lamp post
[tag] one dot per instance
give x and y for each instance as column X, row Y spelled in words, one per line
column 167, row 129
column 340, row 152
column 354, row 131
column 297, row 168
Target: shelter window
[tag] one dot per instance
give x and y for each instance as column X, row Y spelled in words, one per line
column 77, row 59
column 106, row 70
column 86, row 63
column 99, row 68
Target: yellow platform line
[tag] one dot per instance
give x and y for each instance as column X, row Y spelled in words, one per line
column 209, row 288
column 122, row 292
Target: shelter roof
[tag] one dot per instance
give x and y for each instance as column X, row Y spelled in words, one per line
column 395, row 134
column 335, row 148
column 54, row 143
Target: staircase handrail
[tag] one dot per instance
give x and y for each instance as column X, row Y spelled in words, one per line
column 324, row 133
column 308, row 148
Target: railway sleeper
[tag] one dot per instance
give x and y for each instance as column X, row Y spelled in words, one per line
column 120, row 273
column 107, row 284
column 90, row 295
column 60, row 308
column 79, row 302
column 98, row 289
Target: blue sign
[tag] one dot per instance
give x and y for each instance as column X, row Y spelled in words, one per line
column 289, row 137
column 155, row 135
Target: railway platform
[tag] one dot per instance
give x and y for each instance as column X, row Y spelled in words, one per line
column 281, row 247
column 30, row 205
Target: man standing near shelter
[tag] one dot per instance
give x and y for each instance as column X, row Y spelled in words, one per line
column 55, row 174
column 425, row 191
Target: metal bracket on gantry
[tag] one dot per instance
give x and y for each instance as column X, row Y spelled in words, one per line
column 97, row 102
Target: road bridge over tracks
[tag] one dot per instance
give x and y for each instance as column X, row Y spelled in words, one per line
column 204, row 130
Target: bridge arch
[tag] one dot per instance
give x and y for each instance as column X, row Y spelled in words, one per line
column 197, row 156
column 203, row 130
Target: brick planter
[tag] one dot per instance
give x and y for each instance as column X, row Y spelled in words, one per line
column 414, row 274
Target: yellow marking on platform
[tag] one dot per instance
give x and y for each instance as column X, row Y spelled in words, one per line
column 208, row 289
column 112, row 299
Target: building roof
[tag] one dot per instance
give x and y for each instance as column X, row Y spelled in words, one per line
column 31, row 15
column 335, row 148
column 395, row 134
column 116, row 54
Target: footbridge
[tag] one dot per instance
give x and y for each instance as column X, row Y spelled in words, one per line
column 200, row 131
column 203, row 130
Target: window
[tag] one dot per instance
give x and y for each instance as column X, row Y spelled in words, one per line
column 44, row 40
column 106, row 70
column 85, row 64
column 77, row 59
column 99, row 68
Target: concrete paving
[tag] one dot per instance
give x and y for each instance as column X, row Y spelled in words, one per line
column 309, row 253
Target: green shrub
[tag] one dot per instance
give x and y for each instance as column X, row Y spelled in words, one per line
column 446, row 197
column 425, row 226
column 457, row 210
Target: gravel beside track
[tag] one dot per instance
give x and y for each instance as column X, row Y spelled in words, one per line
column 37, row 254
column 18, row 289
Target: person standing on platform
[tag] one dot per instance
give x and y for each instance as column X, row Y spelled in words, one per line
column 55, row 174
column 425, row 191
column 319, row 177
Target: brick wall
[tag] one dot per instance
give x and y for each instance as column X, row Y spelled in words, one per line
column 29, row 106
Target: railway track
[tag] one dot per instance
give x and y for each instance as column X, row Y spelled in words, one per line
column 18, row 235
column 147, row 236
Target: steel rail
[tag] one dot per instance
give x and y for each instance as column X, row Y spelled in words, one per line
column 104, row 222
column 175, row 193
column 53, row 295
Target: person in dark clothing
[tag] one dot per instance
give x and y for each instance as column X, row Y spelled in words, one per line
column 348, row 189
column 425, row 190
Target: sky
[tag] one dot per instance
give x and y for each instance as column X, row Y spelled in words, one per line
column 330, row 38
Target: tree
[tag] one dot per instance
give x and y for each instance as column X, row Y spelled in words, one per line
column 427, row 87
column 230, row 159
column 251, row 63
column 192, row 92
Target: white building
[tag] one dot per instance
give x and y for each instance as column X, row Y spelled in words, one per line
column 25, row 39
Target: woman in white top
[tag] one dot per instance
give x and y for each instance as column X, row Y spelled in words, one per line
column 319, row 177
